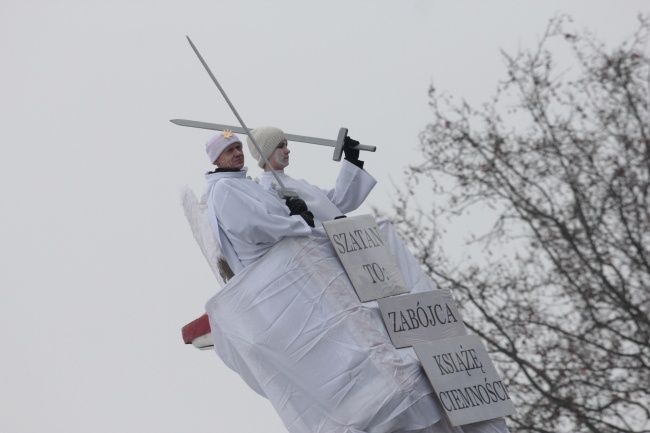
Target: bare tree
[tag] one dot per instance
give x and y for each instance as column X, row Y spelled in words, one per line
column 562, row 159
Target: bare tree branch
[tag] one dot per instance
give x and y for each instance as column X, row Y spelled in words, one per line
column 560, row 288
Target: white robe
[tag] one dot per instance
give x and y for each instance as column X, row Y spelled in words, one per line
column 246, row 219
column 352, row 187
column 293, row 328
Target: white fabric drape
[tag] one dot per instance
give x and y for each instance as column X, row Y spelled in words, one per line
column 292, row 326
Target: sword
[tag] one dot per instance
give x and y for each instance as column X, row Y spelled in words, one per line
column 336, row 144
column 284, row 192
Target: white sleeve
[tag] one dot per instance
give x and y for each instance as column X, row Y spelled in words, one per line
column 353, row 185
column 254, row 221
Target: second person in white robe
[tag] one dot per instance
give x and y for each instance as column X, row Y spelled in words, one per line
column 353, row 184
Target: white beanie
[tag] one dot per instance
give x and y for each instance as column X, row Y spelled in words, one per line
column 218, row 143
column 267, row 138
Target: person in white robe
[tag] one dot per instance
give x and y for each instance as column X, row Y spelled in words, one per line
column 245, row 218
column 353, row 184
column 289, row 321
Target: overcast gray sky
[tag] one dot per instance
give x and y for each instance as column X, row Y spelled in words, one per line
column 99, row 267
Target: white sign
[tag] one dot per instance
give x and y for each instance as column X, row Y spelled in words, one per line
column 421, row 317
column 465, row 380
column 366, row 259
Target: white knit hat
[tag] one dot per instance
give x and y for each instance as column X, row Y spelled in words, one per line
column 218, row 143
column 267, row 138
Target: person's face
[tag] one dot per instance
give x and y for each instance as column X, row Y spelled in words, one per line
column 231, row 157
column 280, row 157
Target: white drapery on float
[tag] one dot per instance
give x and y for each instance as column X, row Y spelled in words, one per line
column 292, row 326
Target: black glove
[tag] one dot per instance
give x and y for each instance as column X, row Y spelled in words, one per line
column 297, row 206
column 309, row 218
column 351, row 154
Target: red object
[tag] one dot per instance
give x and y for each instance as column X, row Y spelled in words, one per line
column 196, row 328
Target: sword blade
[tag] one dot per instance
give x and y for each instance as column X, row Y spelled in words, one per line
column 284, row 192
column 206, row 125
column 290, row 137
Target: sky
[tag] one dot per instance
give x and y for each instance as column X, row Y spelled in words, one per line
column 99, row 267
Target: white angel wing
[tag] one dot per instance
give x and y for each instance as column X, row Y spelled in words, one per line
column 196, row 213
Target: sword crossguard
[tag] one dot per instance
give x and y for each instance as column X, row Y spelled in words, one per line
column 340, row 142
column 287, row 193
